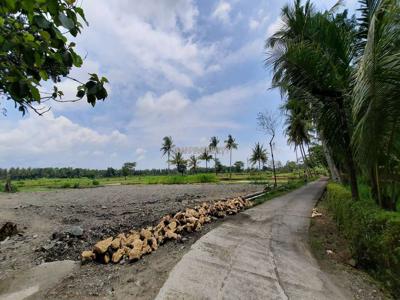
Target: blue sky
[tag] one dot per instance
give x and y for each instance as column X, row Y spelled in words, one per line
column 189, row 69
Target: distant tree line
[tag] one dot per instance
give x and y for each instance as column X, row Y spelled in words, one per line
column 68, row 172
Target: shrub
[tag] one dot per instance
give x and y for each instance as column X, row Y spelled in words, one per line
column 14, row 188
column 374, row 234
column 95, row 182
column 76, row 185
column 66, row 185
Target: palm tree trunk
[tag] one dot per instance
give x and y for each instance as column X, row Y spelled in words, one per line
column 230, row 164
column 168, row 162
column 215, row 163
column 303, row 154
column 331, row 164
column 273, row 161
column 348, row 150
column 297, row 160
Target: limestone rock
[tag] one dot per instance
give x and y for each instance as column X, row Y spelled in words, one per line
column 102, row 246
column 135, row 254
column 145, row 234
column 118, row 255
column 106, row 259
column 116, row 243
column 154, row 244
column 137, row 244
column 172, row 226
column 88, row 256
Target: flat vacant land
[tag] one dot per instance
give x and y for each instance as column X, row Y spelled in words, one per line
column 44, row 184
column 45, row 218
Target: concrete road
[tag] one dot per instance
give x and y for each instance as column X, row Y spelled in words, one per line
column 261, row 253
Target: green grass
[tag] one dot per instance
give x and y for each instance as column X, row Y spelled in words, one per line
column 44, row 184
column 258, row 176
column 282, row 189
column 374, row 233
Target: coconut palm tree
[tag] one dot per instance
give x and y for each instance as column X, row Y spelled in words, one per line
column 206, row 156
column 312, row 59
column 298, row 128
column 259, row 155
column 230, row 144
column 193, row 163
column 214, row 147
column 376, row 93
column 179, row 161
column 167, row 148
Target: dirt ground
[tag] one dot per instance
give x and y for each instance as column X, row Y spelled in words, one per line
column 333, row 253
column 58, row 225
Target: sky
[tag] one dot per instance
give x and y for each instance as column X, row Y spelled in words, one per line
column 180, row 68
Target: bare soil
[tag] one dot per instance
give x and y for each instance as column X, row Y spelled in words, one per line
column 333, row 253
column 49, row 226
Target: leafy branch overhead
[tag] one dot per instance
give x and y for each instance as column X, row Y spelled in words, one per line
column 34, row 48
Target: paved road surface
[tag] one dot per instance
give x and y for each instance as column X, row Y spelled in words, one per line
column 261, row 253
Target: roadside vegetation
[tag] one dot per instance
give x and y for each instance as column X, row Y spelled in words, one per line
column 339, row 75
column 373, row 233
column 41, row 184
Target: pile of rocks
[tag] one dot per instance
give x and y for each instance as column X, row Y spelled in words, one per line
column 133, row 245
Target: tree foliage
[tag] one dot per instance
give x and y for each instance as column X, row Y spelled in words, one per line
column 239, row 166
column 230, row 144
column 34, row 48
column 128, row 168
column 179, row 161
column 206, row 156
column 259, row 155
column 340, row 77
column 193, row 163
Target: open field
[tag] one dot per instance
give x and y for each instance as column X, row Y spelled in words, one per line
column 44, row 184
column 45, row 217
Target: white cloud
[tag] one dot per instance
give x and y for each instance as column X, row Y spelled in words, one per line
column 249, row 51
column 189, row 120
column 50, row 140
column 146, row 42
column 253, row 24
column 222, row 11
column 140, row 154
column 258, row 20
column 274, row 26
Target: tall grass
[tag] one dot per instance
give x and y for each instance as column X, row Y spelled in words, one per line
column 374, row 233
column 66, row 183
column 179, row 179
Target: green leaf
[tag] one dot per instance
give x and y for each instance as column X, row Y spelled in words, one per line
column 43, row 74
column 28, row 37
column 11, row 3
column 91, row 99
column 82, row 14
column 52, row 7
column 65, row 21
column 74, row 31
column 28, row 5
column 80, row 93
column 35, row 93
column 101, row 94
column 41, row 21
column 1, row 22
column 76, row 59
column 45, row 35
